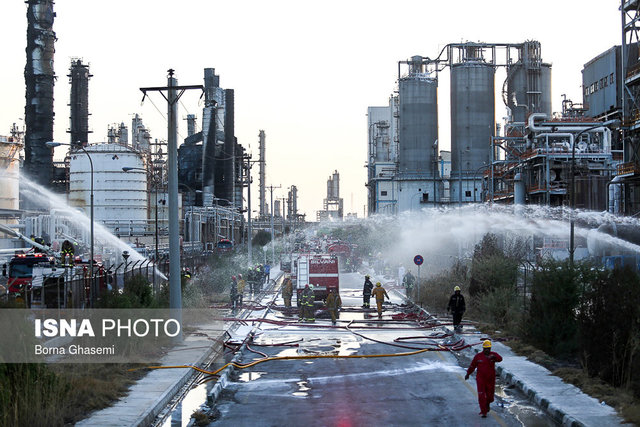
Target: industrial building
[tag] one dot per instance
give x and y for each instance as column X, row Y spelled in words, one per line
column 333, row 204
column 533, row 158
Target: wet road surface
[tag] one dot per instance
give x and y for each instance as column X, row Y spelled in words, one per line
column 421, row 389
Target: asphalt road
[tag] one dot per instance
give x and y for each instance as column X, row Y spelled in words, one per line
column 423, row 389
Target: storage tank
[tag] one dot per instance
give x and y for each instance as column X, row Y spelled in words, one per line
column 9, row 173
column 418, row 121
column 118, row 195
column 529, row 84
column 472, row 114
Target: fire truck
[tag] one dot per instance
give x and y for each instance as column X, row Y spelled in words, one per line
column 320, row 270
column 38, row 276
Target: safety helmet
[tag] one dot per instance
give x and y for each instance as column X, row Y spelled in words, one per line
column 367, row 276
column 486, row 344
column 240, row 276
column 378, row 284
column 306, row 286
column 311, row 287
column 457, row 288
column 233, row 277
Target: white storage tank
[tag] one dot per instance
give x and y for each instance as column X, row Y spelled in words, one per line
column 119, row 197
column 9, row 173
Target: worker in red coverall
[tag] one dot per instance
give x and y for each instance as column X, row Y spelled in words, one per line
column 486, row 376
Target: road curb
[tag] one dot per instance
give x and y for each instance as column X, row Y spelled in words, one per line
column 153, row 411
column 213, row 395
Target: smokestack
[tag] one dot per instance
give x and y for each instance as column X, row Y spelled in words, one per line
column 209, row 128
column 229, row 145
column 79, row 119
column 262, row 176
column 39, row 79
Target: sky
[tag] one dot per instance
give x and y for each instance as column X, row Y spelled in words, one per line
column 304, row 72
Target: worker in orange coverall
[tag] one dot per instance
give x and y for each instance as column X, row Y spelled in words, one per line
column 486, row 376
column 380, row 293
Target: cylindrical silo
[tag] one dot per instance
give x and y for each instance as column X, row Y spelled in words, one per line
column 472, row 115
column 529, row 83
column 418, row 124
column 9, row 173
column 118, row 196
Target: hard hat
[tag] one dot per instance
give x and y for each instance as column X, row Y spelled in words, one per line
column 233, row 277
column 486, row 344
column 240, row 276
column 306, row 286
column 457, row 288
column 311, row 287
column 378, row 284
column 367, row 276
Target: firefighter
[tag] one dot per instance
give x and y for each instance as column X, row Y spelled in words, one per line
column 366, row 291
column 287, row 292
column 241, row 285
column 333, row 305
column 408, row 281
column 302, row 297
column 251, row 277
column 67, row 250
column 380, row 293
column 456, row 307
column 233, row 297
column 307, row 303
column 486, row 375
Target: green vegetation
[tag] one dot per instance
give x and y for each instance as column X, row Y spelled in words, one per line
column 56, row 395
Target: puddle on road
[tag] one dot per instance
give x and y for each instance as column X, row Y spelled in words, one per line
column 511, row 401
column 250, row 376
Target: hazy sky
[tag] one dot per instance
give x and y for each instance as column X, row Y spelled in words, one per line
column 304, row 72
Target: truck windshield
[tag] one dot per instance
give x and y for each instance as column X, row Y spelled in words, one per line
column 20, row 271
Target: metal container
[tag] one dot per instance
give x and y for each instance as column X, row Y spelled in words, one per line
column 118, row 196
column 528, row 90
column 472, row 116
column 418, row 124
column 9, row 173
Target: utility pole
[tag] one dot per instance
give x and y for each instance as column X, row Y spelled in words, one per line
column 247, row 166
column 172, row 98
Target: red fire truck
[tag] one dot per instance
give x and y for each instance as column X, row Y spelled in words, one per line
column 320, row 270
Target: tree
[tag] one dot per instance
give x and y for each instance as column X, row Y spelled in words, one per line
column 551, row 322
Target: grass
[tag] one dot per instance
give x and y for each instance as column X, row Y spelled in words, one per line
column 59, row 394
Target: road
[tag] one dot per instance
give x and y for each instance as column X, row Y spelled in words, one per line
column 422, row 389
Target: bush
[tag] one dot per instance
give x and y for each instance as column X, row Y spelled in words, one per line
column 551, row 321
column 610, row 326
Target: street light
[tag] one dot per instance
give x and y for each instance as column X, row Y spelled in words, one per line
column 53, row 144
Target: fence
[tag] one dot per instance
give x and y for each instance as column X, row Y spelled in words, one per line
column 71, row 287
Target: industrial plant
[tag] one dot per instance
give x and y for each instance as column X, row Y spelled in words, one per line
column 122, row 183
column 584, row 156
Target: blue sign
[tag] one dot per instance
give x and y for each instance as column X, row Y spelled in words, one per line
column 418, row 260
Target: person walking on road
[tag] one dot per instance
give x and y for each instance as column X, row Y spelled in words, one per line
column 366, row 291
column 380, row 293
column 287, row 292
column 485, row 362
column 333, row 305
column 241, row 285
column 233, row 297
column 456, row 307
